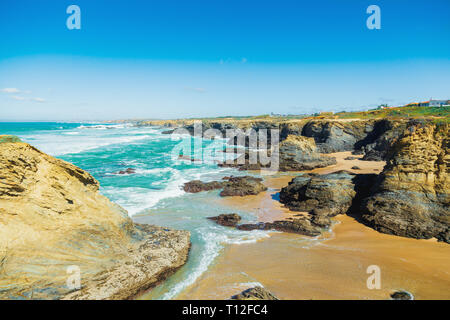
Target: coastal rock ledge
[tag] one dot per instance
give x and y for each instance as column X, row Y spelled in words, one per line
column 54, row 225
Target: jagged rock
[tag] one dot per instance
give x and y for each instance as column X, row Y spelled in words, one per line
column 227, row 220
column 198, row 186
column 333, row 136
column 300, row 153
column 256, row 293
column 333, row 191
column 242, row 186
column 377, row 143
column 325, row 196
column 300, row 225
column 52, row 217
column 402, row 295
column 411, row 198
column 127, row 171
column 232, row 186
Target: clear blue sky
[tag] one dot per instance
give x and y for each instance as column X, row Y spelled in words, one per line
column 171, row 59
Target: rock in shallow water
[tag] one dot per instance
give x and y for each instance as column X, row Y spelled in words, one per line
column 227, row 220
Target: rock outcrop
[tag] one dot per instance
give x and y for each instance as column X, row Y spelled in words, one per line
column 325, row 196
column 255, row 293
column 231, row 186
column 242, row 186
column 300, row 153
column 196, row 186
column 333, row 136
column 227, row 220
column 300, row 225
column 54, row 223
column 412, row 198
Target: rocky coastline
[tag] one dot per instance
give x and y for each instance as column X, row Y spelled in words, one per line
column 61, row 239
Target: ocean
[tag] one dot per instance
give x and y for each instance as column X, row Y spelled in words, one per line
column 153, row 194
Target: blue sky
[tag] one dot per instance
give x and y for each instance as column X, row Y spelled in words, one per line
column 172, row 59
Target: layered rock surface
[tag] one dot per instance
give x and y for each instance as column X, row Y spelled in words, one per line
column 300, row 153
column 54, row 221
column 412, row 198
column 231, row 186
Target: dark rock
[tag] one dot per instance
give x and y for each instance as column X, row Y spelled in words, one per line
column 127, row 171
column 242, row 186
column 377, row 143
column 256, row 293
column 227, row 220
column 411, row 197
column 351, row 158
column 356, row 168
column 334, row 136
column 198, row 186
column 232, row 186
column 402, row 295
column 300, row 225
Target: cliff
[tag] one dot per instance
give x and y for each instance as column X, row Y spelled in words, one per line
column 53, row 220
column 411, row 197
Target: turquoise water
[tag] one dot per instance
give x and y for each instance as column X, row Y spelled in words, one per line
column 153, row 194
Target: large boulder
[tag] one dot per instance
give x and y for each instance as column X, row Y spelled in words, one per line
column 411, row 198
column 227, row 220
column 231, row 186
column 54, row 223
column 242, row 186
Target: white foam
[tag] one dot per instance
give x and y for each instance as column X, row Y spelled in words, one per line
column 136, row 199
column 214, row 238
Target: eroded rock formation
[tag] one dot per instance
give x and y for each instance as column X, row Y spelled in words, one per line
column 54, row 220
column 412, row 198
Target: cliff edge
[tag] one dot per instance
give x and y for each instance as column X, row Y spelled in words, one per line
column 54, row 224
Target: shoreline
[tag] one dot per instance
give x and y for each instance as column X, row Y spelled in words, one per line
column 331, row 266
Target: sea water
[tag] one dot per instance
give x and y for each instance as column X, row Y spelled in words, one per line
column 153, row 194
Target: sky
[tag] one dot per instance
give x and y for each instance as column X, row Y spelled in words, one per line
column 201, row 58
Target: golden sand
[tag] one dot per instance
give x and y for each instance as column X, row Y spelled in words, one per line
column 333, row 267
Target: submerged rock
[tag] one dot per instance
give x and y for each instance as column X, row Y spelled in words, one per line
column 127, row 171
column 412, row 198
column 255, row 293
column 55, row 223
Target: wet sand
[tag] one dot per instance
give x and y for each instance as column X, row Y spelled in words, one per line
column 331, row 267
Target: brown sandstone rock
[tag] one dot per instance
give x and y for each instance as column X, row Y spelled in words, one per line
column 412, row 197
column 53, row 217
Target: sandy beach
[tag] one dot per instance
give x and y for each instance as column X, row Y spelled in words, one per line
column 332, row 266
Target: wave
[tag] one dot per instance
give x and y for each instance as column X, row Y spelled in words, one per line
column 137, row 199
column 214, row 241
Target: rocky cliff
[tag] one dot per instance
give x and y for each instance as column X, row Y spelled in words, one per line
column 54, row 223
column 412, row 197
